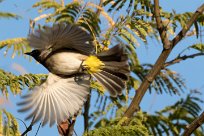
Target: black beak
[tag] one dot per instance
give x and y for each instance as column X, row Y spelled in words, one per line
column 28, row 53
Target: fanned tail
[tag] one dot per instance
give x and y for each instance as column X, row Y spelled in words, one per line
column 115, row 71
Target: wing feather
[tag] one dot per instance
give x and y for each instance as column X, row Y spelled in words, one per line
column 56, row 99
column 61, row 36
column 46, row 115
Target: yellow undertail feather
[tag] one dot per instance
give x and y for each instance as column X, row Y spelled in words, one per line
column 93, row 64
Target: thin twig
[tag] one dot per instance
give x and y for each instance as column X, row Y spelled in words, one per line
column 41, row 17
column 33, row 22
column 194, row 125
column 98, row 11
column 181, row 58
column 38, row 129
column 102, row 12
column 22, row 122
column 29, row 128
column 134, row 106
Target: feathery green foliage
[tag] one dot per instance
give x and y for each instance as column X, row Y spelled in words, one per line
column 45, row 5
column 114, row 128
column 19, row 46
column 118, row 4
column 198, row 47
column 72, row 13
column 8, row 14
column 8, row 124
column 81, row 15
column 172, row 120
column 15, row 84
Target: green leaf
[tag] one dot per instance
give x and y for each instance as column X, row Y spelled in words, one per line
column 9, row 15
column 113, row 127
column 199, row 47
column 19, row 46
column 45, row 5
column 8, row 123
column 83, row 16
column 17, row 83
column 97, row 86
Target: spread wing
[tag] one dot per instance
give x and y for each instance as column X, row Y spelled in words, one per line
column 56, row 100
column 61, row 36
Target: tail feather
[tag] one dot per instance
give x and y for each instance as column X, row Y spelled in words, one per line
column 111, row 82
column 117, row 53
column 117, row 74
column 115, row 71
column 119, row 67
column 116, row 61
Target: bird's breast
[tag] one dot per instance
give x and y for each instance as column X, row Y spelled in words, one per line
column 65, row 63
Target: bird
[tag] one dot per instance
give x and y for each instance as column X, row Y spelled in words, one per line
column 68, row 52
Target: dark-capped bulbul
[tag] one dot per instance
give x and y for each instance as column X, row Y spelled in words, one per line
column 68, row 52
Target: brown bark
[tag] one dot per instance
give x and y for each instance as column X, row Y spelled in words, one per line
column 194, row 125
column 160, row 26
column 98, row 10
column 168, row 46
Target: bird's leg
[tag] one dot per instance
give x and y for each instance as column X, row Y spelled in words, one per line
column 82, row 68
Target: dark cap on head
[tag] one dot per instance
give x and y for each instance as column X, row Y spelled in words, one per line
column 35, row 54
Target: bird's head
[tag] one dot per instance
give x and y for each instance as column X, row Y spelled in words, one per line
column 35, row 54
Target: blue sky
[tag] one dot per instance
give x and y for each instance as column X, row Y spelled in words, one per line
column 191, row 70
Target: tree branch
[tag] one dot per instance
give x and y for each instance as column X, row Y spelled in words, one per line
column 29, row 128
column 134, row 106
column 181, row 58
column 183, row 32
column 98, row 9
column 160, row 26
column 86, row 113
column 101, row 11
column 194, row 125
